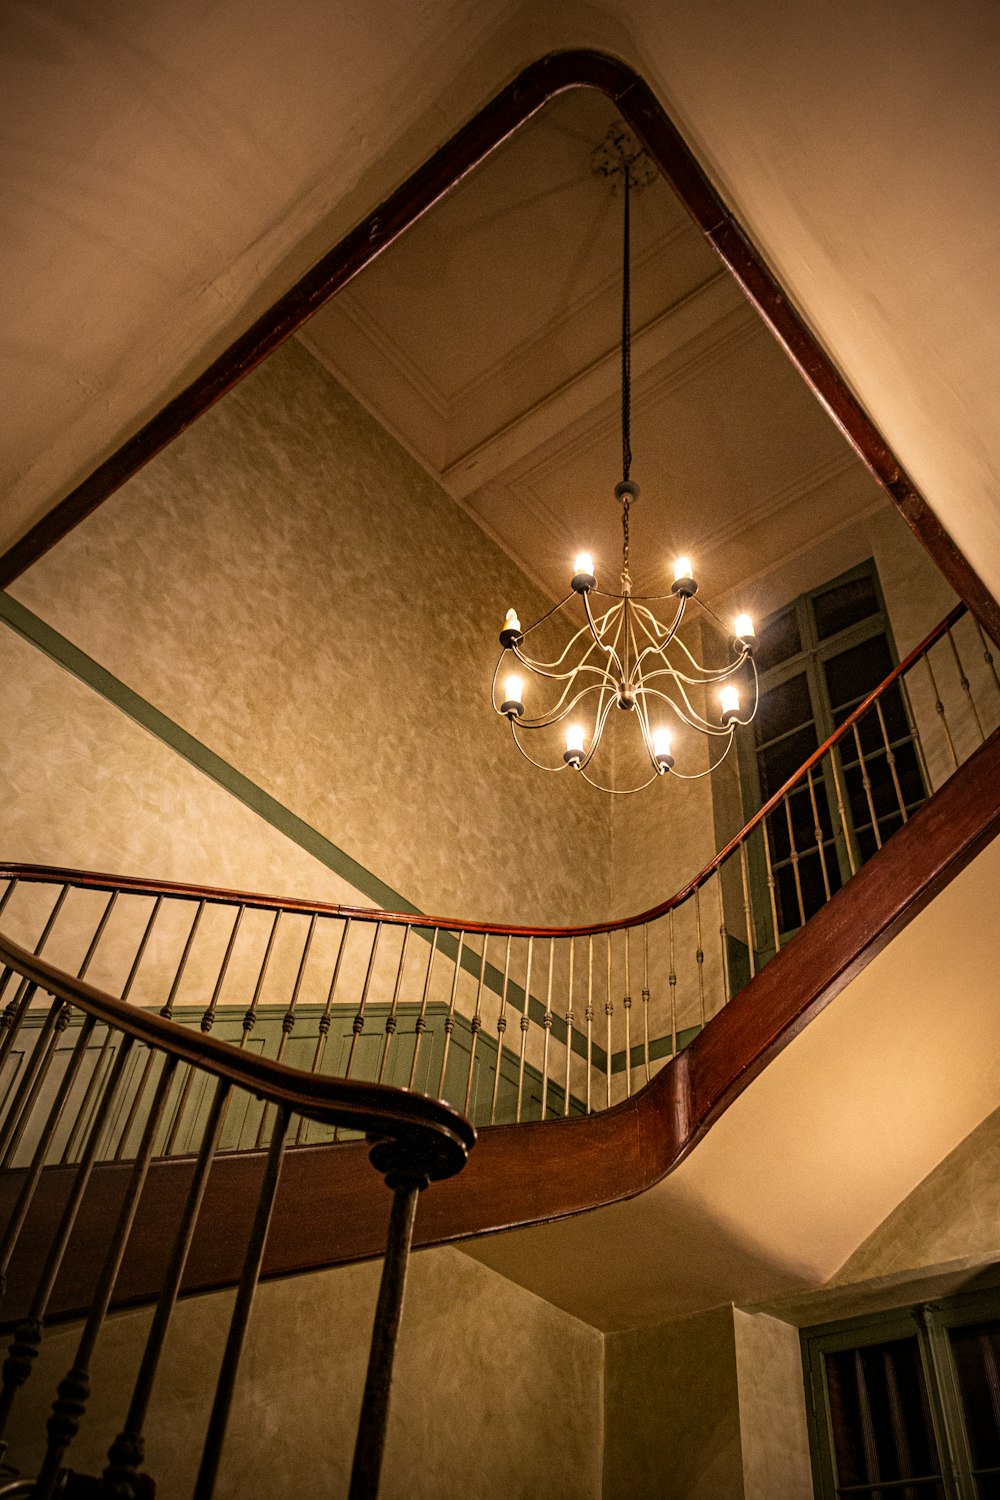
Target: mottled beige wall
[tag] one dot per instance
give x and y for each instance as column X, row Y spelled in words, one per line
column 773, row 1432
column 952, row 1215
column 672, row 1417
column 497, row 1394
column 289, row 586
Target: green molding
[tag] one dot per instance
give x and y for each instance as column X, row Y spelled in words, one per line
column 141, row 711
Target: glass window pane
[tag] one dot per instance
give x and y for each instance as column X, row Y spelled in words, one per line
column 782, row 708
column 843, row 605
column 778, row 641
column 880, row 1415
column 976, row 1351
column 852, row 674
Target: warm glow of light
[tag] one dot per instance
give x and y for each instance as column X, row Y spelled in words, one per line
column 683, row 569
column 730, row 700
column 574, row 738
column 661, row 742
column 511, row 622
column 513, row 687
column 743, row 627
column 584, row 564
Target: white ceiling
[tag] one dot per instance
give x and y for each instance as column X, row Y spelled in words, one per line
column 487, row 340
column 168, row 169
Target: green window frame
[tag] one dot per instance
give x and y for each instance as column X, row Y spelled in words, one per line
column 951, row 1397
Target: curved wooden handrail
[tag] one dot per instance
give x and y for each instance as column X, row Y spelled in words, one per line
column 126, row 884
column 442, row 1136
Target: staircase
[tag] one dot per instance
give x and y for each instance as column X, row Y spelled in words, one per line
column 188, row 1073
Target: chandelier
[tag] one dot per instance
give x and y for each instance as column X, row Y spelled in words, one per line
column 624, row 655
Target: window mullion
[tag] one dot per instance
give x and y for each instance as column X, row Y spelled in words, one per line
column 946, row 1406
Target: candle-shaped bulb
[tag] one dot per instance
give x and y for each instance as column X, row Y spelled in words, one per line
column 683, row 569
column 584, row 563
column 574, row 739
column 730, row 699
column 513, row 687
column 510, row 635
column 511, row 622
column 661, row 743
column 743, row 627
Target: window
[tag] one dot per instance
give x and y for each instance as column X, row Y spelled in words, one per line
column 907, row 1404
column 817, row 659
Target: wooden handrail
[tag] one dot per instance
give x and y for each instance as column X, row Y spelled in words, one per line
column 443, row 1136
column 126, row 884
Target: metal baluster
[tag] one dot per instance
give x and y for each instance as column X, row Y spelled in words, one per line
column 569, row 1026
column 818, row 830
column 866, row 783
column 723, row 939
column 43, row 1053
column 627, row 1007
column 11, row 887
column 987, row 654
column 964, row 682
column 524, row 1031
column 167, row 1008
column 841, row 814
column 25, row 1343
column 476, row 1022
column 501, row 1028
column 547, row 1031
column 359, row 1020
column 672, row 982
column 205, row 1025
column 747, row 909
column 699, row 955
column 74, row 1390
column 589, row 1017
column 98, row 1068
column 645, row 997
column 609, row 1010
column 420, row 1025
column 449, row 1020
column 939, row 710
column 914, row 733
column 324, row 1022
column 892, row 764
column 48, row 1130
column 770, row 885
column 16, row 1007
column 390, row 1020
column 288, row 1019
column 250, row 1015
column 126, row 1453
column 794, row 855
column 219, row 1418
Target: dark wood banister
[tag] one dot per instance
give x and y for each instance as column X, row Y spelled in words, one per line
column 381, row 1111
column 54, row 875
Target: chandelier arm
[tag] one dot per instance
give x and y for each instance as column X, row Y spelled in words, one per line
column 611, row 650
column 700, row 775
column 669, row 631
column 557, row 714
column 712, row 675
column 703, row 726
column 544, row 668
column 530, row 758
column 618, row 791
column 548, row 614
column 600, row 722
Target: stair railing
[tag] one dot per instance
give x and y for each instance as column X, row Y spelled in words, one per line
column 414, row 1140
column 510, row 1023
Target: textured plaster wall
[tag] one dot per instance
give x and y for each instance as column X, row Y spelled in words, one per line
column 497, row 1395
column 672, row 1417
column 288, row 585
column 953, row 1214
column 773, row 1433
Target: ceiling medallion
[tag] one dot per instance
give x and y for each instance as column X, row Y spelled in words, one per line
column 623, row 655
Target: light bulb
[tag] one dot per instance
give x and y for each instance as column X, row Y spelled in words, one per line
column 683, row 569
column 574, row 739
column 511, row 622
column 513, row 687
column 743, row 627
column 584, row 563
column 730, row 699
column 661, row 743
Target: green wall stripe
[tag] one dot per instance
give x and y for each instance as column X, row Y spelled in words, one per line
column 88, row 671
